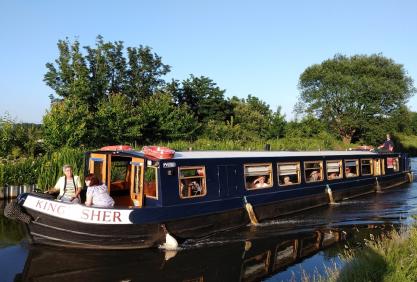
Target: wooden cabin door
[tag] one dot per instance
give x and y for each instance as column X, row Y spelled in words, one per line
column 98, row 165
column 227, row 177
column 379, row 167
column 136, row 186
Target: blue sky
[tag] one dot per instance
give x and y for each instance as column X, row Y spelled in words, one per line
column 246, row 47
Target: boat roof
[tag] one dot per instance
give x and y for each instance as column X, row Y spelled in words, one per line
column 248, row 154
column 257, row 154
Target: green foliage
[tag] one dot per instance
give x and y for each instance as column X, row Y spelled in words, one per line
column 123, row 123
column 278, row 124
column 68, row 123
column 394, row 258
column 253, row 115
column 219, row 131
column 322, row 142
column 204, row 98
column 104, row 71
column 162, row 120
column 308, row 127
column 350, row 93
column 19, row 140
column 19, row 172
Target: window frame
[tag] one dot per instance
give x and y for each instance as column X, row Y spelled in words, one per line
column 245, row 175
column 321, row 171
column 371, row 165
column 396, row 164
column 357, row 168
column 203, row 181
column 340, row 169
column 156, row 182
column 298, row 170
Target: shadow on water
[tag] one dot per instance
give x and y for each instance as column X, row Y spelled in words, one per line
column 277, row 250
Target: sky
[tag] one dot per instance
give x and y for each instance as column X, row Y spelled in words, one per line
column 246, row 47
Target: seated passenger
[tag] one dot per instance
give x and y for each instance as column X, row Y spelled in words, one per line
column 260, row 182
column 97, row 195
column 314, row 176
column 286, row 180
column 69, row 186
column 195, row 188
column 348, row 173
column 332, row 176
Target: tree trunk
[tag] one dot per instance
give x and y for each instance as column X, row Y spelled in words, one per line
column 346, row 139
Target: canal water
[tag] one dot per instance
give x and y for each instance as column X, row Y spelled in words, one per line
column 278, row 250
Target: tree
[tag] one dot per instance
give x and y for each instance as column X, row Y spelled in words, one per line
column 70, row 76
column 253, row 115
column 121, row 120
column 104, row 71
column 69, row 123
column 307, row 127
column 277, row 125
column 162, row 120
column 351, row 93
column 204, row 98
column 144, row 73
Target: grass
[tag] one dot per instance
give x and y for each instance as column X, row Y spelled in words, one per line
column 408, row 143
column 390, row 258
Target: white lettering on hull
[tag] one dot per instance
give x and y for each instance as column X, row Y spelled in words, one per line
column 77, row 212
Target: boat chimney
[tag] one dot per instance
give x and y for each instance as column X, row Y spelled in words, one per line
column 267, row 147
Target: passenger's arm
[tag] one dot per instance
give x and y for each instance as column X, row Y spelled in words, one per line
column 89, row 198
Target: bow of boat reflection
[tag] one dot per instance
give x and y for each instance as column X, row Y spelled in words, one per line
column 233, row 260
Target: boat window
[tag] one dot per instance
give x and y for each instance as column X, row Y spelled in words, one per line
column 150, row 182
column 289, row 173
column 367, row 167
column 334, row 169
column 351, row 168
column 192, row 181
column 256, row 267
column 98, row 168
column 285, row 254
column 313, row 171
column 393, row 164
column 258, row 176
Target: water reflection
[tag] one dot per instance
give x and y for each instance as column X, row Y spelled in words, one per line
column 249, row 260
column 11, row 231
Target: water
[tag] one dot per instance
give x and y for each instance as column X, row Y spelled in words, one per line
column 277, row 250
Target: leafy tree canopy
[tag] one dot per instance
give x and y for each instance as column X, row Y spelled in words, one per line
column 204, row 98
column 104, row 70
column 351, row 94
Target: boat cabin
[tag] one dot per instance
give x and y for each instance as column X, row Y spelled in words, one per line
column 141, row 178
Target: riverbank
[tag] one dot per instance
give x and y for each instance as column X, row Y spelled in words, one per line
column 392, row 258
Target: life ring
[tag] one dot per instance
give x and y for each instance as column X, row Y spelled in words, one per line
column 158, row 152
column 116, row 148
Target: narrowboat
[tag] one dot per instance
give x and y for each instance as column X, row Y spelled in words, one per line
column 162, row 196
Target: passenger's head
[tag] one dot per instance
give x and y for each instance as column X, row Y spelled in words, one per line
column 286, row 179
column 91, row 180
column 67, row 169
